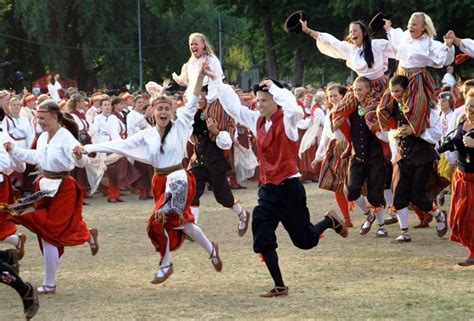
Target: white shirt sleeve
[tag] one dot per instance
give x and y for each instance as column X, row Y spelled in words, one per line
column 185, row 114
column 223, row 140
column 433, row 133
column 113, row 127
column 333, row 47
column 292, row 113
column 231, row 103
column 467, row 46
column 395, row 36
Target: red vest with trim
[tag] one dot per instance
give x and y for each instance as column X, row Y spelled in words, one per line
column 278, row 155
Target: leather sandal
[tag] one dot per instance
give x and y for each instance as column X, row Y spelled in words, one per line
column 95, row 242
column 30, row 302
column 467, row 262
column 276, row 291
column 337, row 224
column 160, row 279
column 242, row 232
column 45, row 289
column 218, row 264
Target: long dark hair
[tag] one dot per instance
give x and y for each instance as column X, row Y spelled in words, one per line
column 367, row 43
column 167, row 130
column 64, row 119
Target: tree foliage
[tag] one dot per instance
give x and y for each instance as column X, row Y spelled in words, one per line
column 96, row 42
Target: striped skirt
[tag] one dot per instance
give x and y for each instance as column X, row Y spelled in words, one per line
column 333, row 168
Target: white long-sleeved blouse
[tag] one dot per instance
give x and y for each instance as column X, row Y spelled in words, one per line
column 145, row 145
column 335, row 48
column 421, row 52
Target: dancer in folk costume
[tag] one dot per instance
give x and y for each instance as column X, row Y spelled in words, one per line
column 282, row 197
column 461, row 216
column 20, row 130
column 120, row 171
column 7, row 196
column 210, row 143
column 415, row 158
column 333, row 167
column 415, row 50
column 56, row 218
column 163, row 146
column 210, row 164
column 367, row 57
column 310, row 129
column 136, row 122
column 366, row 163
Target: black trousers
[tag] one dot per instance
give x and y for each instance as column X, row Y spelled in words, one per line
column 285, row 203
column 9, row 276
column 220, row 186
column 411, row 185
column 374, row 173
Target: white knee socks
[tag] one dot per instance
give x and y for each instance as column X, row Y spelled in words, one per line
column 12, row 239
column 195, row 210
column 388, row 195
column 51, row 260
column 362, row 204
column 198, row 236
column 402, row 215
column 166, row 259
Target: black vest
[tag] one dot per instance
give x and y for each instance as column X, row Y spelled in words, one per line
column 205, row 150
column 466, row 155
column 366, row 146
column 411, row 147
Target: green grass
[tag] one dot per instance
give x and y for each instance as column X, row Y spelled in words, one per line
column 361, row 277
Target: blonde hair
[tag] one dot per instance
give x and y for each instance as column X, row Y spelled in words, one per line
column 207, row 46
column 73, row 101
column 42, row 98
column 430, row 30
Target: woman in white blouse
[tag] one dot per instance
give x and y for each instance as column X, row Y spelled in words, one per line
column 415, row 50
column 164, row 148
column 367, row 57
column 56, row 218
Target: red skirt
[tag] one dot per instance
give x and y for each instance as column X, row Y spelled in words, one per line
column 7, row 196
column 58, row 220
column 461, row 216
column 155, row 229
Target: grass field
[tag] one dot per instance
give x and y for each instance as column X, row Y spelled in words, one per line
column 361, row 277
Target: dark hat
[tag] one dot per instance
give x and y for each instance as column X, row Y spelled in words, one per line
column 257, row 87
column 377, row 22
column 292, row 23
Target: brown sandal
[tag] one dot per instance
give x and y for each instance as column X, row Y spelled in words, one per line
column 217, row 265
column 276, row 291
column 160, row 279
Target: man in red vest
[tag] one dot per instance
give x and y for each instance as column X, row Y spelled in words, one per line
column 281, row 197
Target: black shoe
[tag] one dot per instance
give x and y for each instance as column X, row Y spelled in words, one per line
column 30, row 302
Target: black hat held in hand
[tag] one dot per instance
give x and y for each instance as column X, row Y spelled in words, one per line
column 292, row 23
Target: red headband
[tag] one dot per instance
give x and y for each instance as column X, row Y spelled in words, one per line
column 42, row 110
